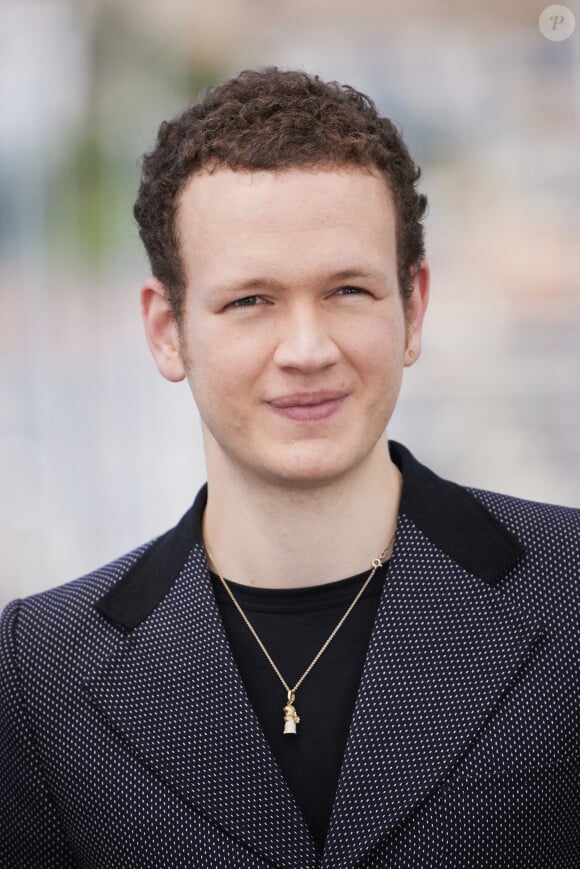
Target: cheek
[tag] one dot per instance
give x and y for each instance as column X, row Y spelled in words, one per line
column 378, row 348
column 224, row 373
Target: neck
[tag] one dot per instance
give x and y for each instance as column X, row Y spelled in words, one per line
column 274, row 537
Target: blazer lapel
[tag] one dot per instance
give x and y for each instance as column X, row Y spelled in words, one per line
column 173, row 693
column 445, row 649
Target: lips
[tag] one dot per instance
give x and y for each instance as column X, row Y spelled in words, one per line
column 305, row 399
column 308, row 407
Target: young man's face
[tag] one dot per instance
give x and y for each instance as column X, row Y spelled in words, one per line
column 272, row 262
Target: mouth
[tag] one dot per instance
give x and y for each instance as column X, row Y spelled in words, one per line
column 305, row 398
column 309, row 412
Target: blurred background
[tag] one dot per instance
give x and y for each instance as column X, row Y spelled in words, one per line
column 97, row 452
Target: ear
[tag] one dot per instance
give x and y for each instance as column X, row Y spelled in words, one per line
column 161, row 330
column 417, row 306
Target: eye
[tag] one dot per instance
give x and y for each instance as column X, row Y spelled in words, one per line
column 247, row 302
column 352, row 291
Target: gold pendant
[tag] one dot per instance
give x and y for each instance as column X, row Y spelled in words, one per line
column 291, row 719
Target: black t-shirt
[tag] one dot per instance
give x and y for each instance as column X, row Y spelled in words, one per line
column 293, row 625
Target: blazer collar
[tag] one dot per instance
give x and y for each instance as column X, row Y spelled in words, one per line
column 448, row 515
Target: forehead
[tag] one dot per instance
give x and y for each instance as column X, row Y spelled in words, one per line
column 227, row 192
column 284, row 220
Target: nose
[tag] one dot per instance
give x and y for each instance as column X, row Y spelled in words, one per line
column 304, row 341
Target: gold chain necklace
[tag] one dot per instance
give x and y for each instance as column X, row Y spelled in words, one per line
column 291, row 719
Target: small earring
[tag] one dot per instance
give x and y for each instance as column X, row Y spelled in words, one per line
column 411, row 353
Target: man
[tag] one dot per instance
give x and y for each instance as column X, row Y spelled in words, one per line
column 336, row 658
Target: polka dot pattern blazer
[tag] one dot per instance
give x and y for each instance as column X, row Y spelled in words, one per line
column 127, row 738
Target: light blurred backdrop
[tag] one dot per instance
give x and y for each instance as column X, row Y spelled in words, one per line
column 97, row 452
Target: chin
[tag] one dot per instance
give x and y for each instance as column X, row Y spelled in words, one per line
column 307, row 472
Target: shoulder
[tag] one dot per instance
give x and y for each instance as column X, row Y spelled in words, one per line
column 531, row 521
column 64, row 619
column 546, row 576
column 72, row 621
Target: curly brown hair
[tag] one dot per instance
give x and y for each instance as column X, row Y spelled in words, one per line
column 271, row 119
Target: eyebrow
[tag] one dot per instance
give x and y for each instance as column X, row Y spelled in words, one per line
column 272, row 283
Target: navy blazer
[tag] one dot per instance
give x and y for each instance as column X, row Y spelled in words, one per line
column 127, row 738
